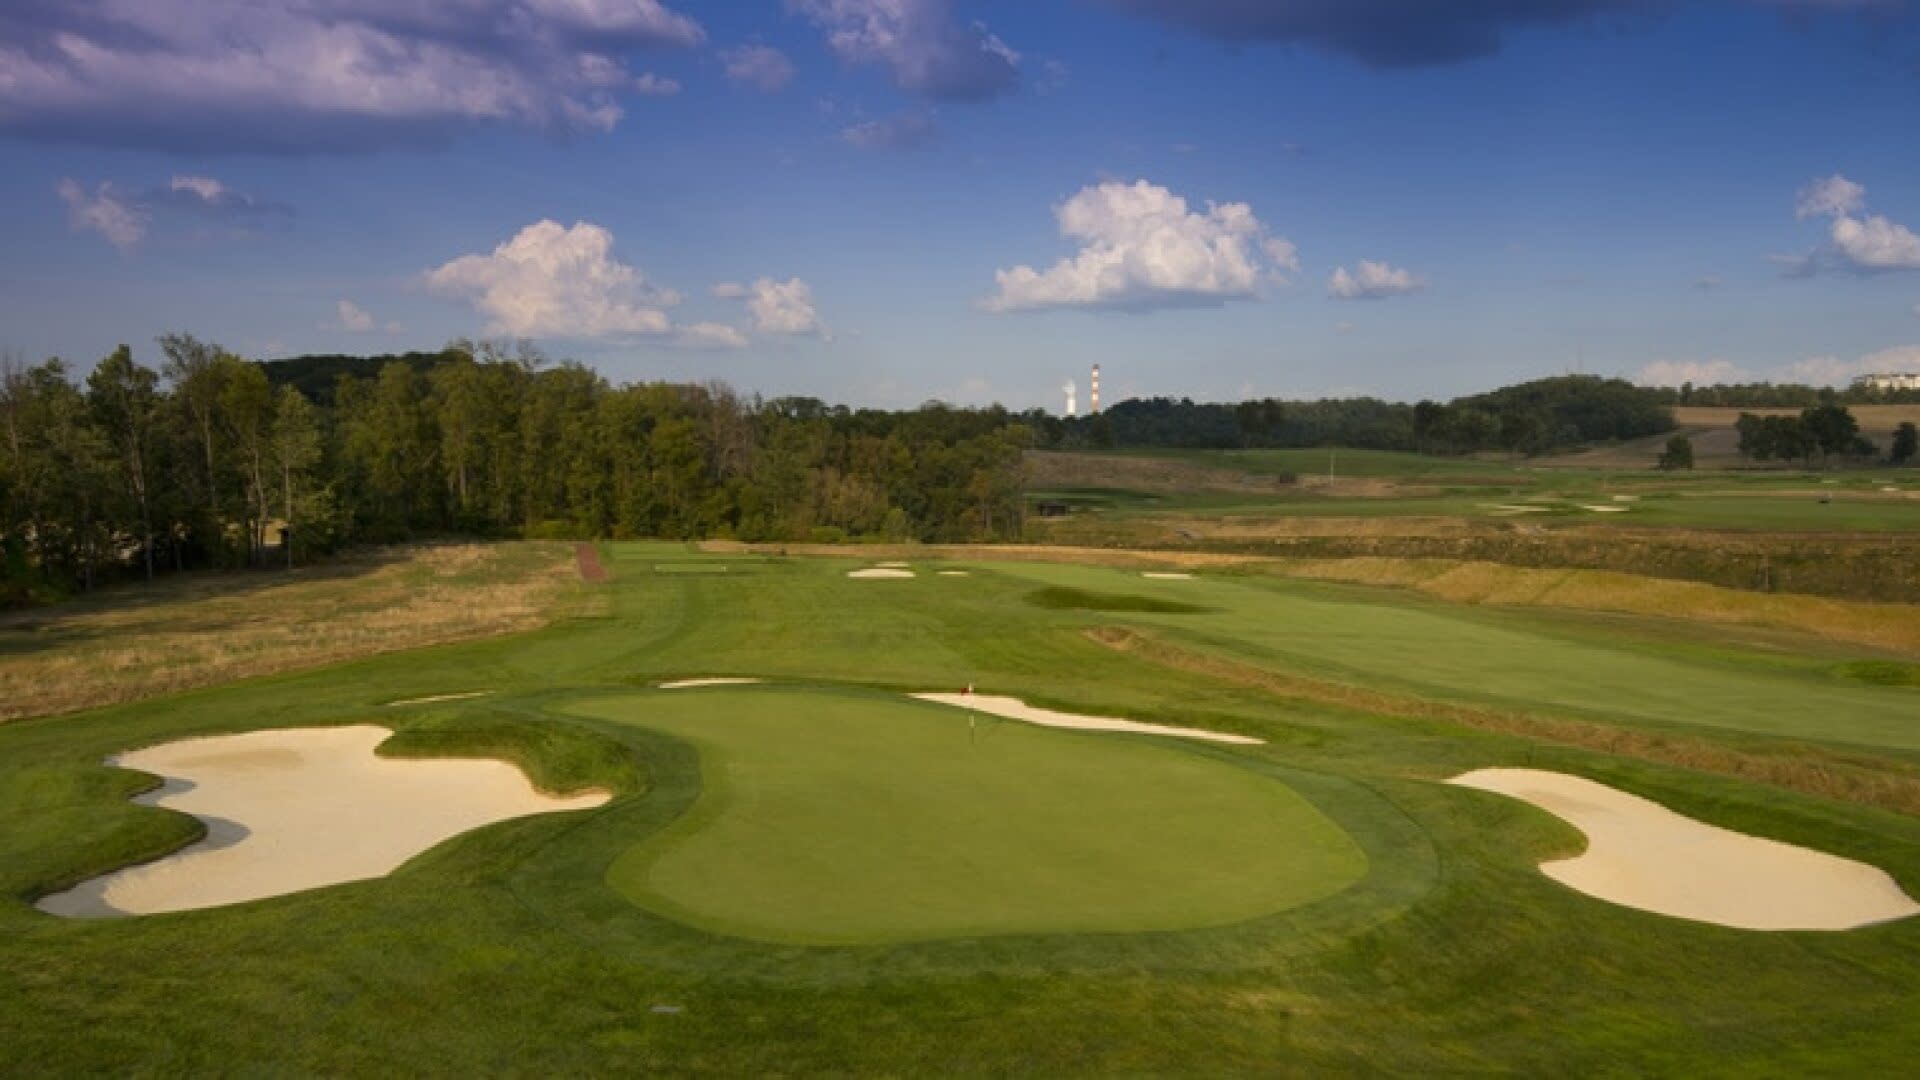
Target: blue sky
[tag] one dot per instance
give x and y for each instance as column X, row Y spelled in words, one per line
column 883, row 201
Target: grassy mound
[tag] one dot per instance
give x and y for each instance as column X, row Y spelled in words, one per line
column 854, row 819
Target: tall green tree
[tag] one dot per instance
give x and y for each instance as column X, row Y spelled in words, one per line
column 125, row 399
column 296, row 449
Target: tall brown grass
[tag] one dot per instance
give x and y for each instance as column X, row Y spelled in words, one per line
column 209, row 629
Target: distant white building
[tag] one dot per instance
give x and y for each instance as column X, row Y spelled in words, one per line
column 1899, row 381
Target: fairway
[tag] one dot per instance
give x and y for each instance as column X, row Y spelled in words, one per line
column 829, row 818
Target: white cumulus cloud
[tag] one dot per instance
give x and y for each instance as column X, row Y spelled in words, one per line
column 1373, row 281
column 550, row 280
column 1143, row 248
column 778, row 307
column 1864, row 242
column 353, row 317
column 1832, row 197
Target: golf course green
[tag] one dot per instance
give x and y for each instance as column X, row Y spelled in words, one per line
column 837, row 819
column 819, row 874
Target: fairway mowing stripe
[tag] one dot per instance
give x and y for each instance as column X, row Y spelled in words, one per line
column 439, row 697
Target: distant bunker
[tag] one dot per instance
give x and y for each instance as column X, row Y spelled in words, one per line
column 298, row 809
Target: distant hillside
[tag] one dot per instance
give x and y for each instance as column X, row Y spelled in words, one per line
column 316, row 376
column 1716, row 445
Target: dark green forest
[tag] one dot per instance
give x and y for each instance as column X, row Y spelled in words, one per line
column 204, row 461
column 1528, row 418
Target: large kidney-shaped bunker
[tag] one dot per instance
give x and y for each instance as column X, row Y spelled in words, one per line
column 840, row 818
column 297, row 809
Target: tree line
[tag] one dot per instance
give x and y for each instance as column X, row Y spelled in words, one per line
column 206, row 459
column 1765, row 395
column 1528, row 418
column 1829, row 430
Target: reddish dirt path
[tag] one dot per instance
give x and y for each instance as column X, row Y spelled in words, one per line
column 591, row 569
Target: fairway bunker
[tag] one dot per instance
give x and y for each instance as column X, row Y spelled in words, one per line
column 1012, row 708
column 299, row 809
column 1167, row 575
column 719, row 680
column 1642, row 855
column 880, row 572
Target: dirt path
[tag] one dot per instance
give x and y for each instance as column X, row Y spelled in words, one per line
column 591, row 568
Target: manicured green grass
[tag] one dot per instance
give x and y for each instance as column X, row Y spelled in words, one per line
column 1433, row 650
column 1061, row 598
column 513, row 949
column 839, row 819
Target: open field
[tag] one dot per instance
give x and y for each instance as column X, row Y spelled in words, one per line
column 817, row 874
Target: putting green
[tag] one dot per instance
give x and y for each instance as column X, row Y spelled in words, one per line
column 841, row 818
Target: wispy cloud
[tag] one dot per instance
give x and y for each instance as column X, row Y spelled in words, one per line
column 300, row 76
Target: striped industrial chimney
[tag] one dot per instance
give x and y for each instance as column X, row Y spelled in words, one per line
column 1093, row 393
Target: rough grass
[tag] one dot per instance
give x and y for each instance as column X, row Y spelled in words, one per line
column 1894, row 627
column 206, row 629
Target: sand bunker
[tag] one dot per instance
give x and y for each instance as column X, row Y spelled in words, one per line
column 1167, row 575
column 880, row 572
column 439, row 697
column 1014, row 709
column 1515, row 508
column 299, row 809
column 724, row 680
column 1606, row 509
column 953, row 573
column 1642, row 855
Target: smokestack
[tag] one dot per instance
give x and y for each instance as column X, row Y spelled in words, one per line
column 1072, row 408
column 1093, row 395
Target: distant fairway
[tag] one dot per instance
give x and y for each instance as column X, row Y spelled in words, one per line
column 1485, row 657
column 840, row 819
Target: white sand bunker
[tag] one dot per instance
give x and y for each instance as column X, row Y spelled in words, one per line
column 1642, row 855
column 880, row 572
column 953, row 573
column 722, row 680
column 1014, row 709
column 1606, row 509
column 439, row 697
column 1167, row 575
column 299, row 809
